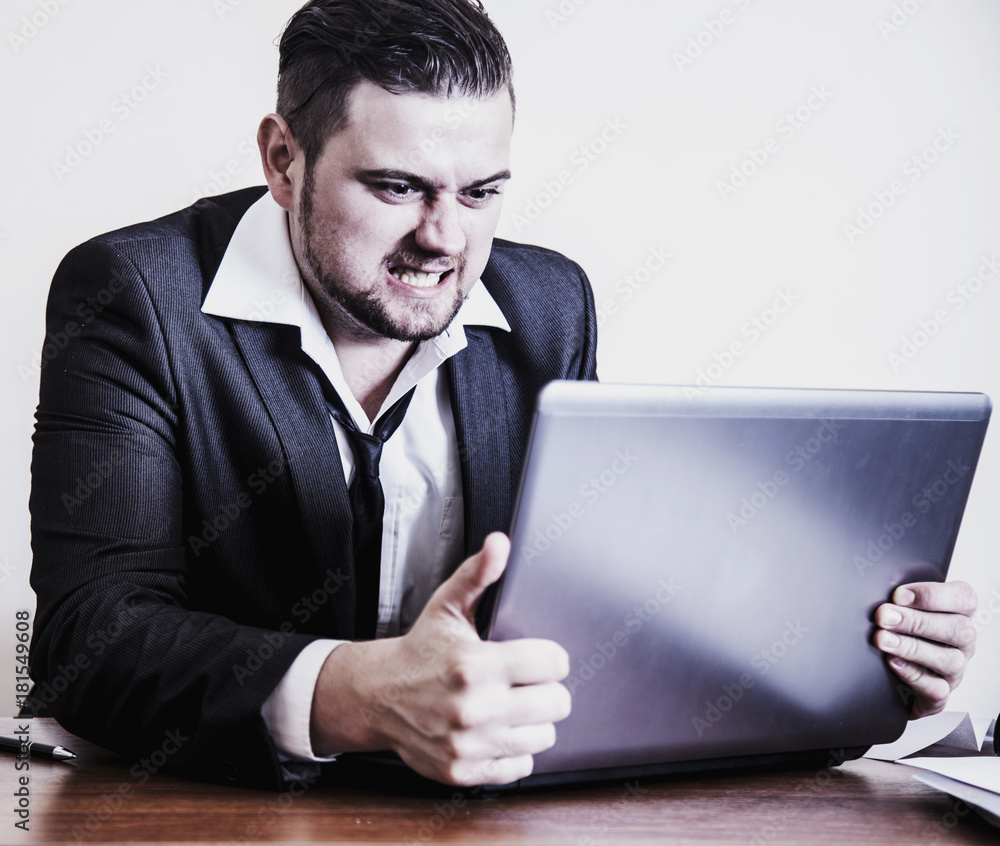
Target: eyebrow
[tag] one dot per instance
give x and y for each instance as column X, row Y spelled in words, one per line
column 390, row 175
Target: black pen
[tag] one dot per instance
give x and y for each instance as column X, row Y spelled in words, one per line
column 36, row 750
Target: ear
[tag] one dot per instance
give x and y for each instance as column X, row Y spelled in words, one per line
column 282, row 159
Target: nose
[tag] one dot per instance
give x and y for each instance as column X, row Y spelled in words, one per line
column 440, row 228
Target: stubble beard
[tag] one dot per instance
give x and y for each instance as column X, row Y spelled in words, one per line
column 367, row 308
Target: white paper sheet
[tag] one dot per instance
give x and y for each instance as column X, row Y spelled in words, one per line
column 978, row 770
column 919, row 734
column 987, row 804
column 952, row 762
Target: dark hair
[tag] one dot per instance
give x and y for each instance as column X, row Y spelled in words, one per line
column 427, row 46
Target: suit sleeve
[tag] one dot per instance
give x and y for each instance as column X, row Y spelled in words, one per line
column 118, row 656
column 588, row 346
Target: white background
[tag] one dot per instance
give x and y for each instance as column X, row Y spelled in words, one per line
column 582, row 68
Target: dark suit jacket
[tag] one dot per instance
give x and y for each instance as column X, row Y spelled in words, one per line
column 190, row 520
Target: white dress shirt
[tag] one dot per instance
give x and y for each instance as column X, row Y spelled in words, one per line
column 423, row 524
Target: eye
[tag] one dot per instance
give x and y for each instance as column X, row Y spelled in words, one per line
column 396, row 190
column 481, row 196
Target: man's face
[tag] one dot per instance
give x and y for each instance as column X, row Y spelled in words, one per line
column 394, row 222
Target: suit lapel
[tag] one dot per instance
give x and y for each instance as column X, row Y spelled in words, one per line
column 294, row 400
column 479, row 403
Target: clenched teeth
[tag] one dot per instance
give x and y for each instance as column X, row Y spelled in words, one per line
column 416, row 278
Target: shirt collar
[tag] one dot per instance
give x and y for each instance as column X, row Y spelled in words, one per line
column 259, row 281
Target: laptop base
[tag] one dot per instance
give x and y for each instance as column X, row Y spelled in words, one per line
column 386, row 772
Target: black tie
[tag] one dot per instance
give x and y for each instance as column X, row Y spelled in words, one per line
column 367, row 505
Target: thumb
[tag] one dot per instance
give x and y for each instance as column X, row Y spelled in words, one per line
column 460, row 593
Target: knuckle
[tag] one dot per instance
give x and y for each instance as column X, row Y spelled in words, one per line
column 909, row 648
column 916, row 623
column 965, row 635
column 937, row 689
column 511, row 747
column 460, row 671
column 953, row 666
column 968, row 598
column 932, row 688
column 452, row 748
column 461, row 713
column 911, row 673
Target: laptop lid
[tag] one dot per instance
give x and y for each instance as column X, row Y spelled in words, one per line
column 711, row 560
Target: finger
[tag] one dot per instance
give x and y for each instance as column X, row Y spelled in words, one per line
column 493, row 707
column 945, row 661
column 499, row 742
column 529, row 660
column 460, row 593
column 538, row 704
column 493, row 771
column 945, row 628
column 466, row 772
column 491, row 668
column 931, row 690
column 952, row 597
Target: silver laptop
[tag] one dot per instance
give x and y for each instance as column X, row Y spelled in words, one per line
column 711, row 560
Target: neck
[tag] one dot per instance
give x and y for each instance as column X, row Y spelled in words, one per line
column 370, row 362
column 371, row 368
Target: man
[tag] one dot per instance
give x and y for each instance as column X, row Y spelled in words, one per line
column 210, row 567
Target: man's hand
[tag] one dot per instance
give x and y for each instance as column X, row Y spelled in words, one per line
column 454, row 708
column 928, row 632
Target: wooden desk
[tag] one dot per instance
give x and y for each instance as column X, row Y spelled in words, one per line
column 862, row 802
